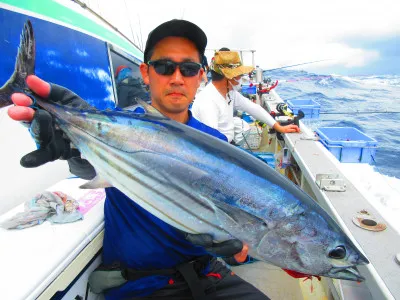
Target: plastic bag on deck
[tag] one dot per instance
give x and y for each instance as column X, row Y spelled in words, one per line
column 56, row 207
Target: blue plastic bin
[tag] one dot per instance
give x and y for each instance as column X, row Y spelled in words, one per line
column 348, row 144
column 247, row 118
column 247, row 89
column 310, row 108
column 267, row 157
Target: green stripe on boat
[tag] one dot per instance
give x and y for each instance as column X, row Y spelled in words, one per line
column 57, row 11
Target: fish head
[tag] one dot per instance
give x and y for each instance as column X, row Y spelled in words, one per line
column 344, row 257
column 310, row 245
column 338, row 259
column 328, row 251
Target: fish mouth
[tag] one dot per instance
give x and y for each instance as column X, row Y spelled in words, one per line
column 362, row 260
column 347, row 273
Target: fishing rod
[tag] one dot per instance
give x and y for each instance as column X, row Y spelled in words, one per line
column 358, row 112
column 306, row 63
column 141, row 36
column 85, row 6
column 306, row 78
column 283, row 109
column 129, row 20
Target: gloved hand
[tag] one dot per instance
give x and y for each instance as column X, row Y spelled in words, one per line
column 51, row 142
column 228, row 248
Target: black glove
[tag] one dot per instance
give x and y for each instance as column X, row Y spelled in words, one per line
column 224, row 249
column 52, row 143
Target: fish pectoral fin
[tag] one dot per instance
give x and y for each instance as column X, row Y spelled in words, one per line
column 222, row 212
column 96, row 183
column 148, row 108
column 236, row 217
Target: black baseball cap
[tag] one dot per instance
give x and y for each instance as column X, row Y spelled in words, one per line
column 180, row 28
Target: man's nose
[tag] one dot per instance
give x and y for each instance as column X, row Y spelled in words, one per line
column 176, row 77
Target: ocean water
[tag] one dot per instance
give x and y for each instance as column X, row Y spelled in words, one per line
column 352, row 101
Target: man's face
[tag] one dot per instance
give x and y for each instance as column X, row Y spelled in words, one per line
column 172, row 94
column 234, row 81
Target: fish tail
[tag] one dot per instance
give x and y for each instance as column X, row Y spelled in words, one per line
column 24, row 66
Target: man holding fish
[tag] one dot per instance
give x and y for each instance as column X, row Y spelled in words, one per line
column 157, row 260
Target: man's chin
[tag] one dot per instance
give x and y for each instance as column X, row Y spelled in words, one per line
column 177, row 108
column 177, row 101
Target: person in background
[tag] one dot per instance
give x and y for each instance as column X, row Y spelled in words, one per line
column 216, row 103
column 128, row 87
column 204, row 65
column 148, row 258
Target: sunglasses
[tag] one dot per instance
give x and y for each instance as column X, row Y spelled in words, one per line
column 167, row 67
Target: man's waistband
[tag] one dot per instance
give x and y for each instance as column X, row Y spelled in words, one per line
column 107, row 277
column 198, row 264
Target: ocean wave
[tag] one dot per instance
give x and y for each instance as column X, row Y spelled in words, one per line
column 390, row 80
column 369, row 103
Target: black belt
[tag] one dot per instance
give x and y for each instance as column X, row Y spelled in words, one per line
column 190, row 272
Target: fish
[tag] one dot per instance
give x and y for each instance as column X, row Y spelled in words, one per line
column 200, row 184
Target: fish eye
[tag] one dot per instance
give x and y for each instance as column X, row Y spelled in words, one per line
column 339, row 252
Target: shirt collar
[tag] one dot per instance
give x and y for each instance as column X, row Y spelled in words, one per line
column 191, row 120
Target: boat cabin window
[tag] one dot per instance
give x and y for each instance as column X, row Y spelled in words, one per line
column 128, row 82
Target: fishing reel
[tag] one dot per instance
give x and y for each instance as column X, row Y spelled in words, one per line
column 283, row 110
column 267, row 81
column 295, row 121
column 265, row 90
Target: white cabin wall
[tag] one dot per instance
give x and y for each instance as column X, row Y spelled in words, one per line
column 18, row 184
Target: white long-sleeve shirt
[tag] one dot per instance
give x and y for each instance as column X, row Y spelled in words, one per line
column 212, row 109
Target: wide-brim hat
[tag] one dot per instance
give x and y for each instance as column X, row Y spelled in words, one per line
column 228, row 63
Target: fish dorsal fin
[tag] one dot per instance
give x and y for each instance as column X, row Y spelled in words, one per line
column 148, row 108
column 96, row 183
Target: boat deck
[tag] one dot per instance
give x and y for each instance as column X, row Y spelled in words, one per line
column 277, row 284
column 382, row 275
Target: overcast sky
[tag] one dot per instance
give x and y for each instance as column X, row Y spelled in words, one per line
column 355, row 37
